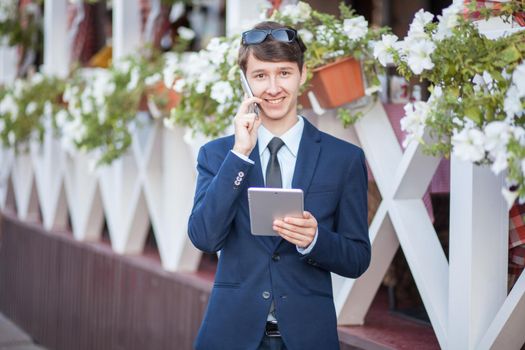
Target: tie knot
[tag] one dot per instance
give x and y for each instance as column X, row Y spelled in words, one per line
column 274, row 145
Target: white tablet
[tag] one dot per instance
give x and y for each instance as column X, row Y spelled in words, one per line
column 268, row 204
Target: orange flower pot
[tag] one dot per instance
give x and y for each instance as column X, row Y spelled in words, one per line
column 168, row 98
column 304, row 101
column 338, row 83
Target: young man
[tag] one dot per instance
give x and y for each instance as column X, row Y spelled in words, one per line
column 276, row 292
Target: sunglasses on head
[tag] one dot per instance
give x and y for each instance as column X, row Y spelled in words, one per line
column 257, row 36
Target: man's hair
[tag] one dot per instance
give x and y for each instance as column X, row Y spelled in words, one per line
column 272, row 50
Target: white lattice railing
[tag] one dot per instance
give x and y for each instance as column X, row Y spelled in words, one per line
column 465, row 297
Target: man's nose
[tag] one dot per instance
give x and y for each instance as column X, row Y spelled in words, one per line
column 273, row 86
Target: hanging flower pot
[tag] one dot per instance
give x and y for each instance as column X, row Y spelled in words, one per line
column 338, row 83
column 162, row 98
column 304, row 101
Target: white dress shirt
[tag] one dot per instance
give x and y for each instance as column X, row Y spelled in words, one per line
column 287, row 157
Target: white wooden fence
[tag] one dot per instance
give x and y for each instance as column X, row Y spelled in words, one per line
column 465, row 297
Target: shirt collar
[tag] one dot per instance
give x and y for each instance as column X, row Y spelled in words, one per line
column 291, row 138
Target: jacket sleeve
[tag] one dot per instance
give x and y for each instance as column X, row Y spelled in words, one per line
column 219, row 188
column 346, row 251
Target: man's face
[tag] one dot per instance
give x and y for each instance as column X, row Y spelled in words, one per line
column 277, row 84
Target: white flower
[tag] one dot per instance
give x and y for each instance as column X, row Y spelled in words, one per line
column 512, row 103
column 417, row 27
column 171, row 66
column 413, row 123
column 382, row 49
column 518, row 78
column 419, row 56
column 356, row 28
column 297, row 13
column 467, row 144
column 169, row 123
column 333, row 54
column 61, row 118
column 497, row 135
column 324, row 36
column 186, row 33
column 134, row 79
column 37, row 78
column 48, row 108
column 305, row 35
column 123, row 66
column 485, row 82
column 87, row 105
column 221, row 91
column 31, row 107
column 153, row 79
column 448, row 20
column 233, row 52
column 510, row 196
column 216, row 50
column 8, row 106
column 179, row 85
column 18, row 87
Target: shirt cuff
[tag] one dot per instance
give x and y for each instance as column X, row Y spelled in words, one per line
column 243, row 157
column 308, row 249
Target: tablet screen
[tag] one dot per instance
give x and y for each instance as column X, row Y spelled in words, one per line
column 268, row 204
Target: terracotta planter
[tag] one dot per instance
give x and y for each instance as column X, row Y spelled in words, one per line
column 338, row 83
column 161, row 97
column 165, row 98
column 304, row 101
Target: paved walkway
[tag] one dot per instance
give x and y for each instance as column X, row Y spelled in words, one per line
column 13, row 338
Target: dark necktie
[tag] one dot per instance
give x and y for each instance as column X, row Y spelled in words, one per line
column 273, row 170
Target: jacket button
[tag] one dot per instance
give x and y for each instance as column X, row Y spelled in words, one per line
column 310, row 261
column 276, row 257
column 266, row 295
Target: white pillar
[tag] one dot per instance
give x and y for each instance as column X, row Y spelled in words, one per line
column 478, row 252
column 56, row 50
column 242, row 14
column 8, row 58
column 126, row 27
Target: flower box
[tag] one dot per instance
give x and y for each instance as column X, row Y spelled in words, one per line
column 161, row 96
column 338, row 83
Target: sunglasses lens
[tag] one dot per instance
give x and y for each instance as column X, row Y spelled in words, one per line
column 284, row 35
column 254, row 36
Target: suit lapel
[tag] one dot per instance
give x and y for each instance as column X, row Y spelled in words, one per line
column 307, row 157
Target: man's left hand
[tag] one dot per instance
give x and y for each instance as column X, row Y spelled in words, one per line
column 298, row 231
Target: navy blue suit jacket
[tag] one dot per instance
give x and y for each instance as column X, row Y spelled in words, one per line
column 253, row 270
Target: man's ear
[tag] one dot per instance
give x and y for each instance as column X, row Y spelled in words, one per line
column 304, row 72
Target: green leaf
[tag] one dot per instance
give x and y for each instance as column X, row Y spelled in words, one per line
column 509, row 55
column 474, row 114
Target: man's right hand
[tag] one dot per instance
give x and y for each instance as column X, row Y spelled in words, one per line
column 246, row 125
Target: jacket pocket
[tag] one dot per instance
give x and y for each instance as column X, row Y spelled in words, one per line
column 226, row 285
column 322, row 188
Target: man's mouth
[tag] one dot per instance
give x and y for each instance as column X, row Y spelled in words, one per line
column 274, row 101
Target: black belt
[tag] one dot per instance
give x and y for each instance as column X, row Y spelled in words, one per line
column 272, row 330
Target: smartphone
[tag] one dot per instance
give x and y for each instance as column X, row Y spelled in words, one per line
column 248, row 91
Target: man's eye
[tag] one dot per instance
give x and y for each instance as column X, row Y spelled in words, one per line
column 259, row 76
column 285, row 73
